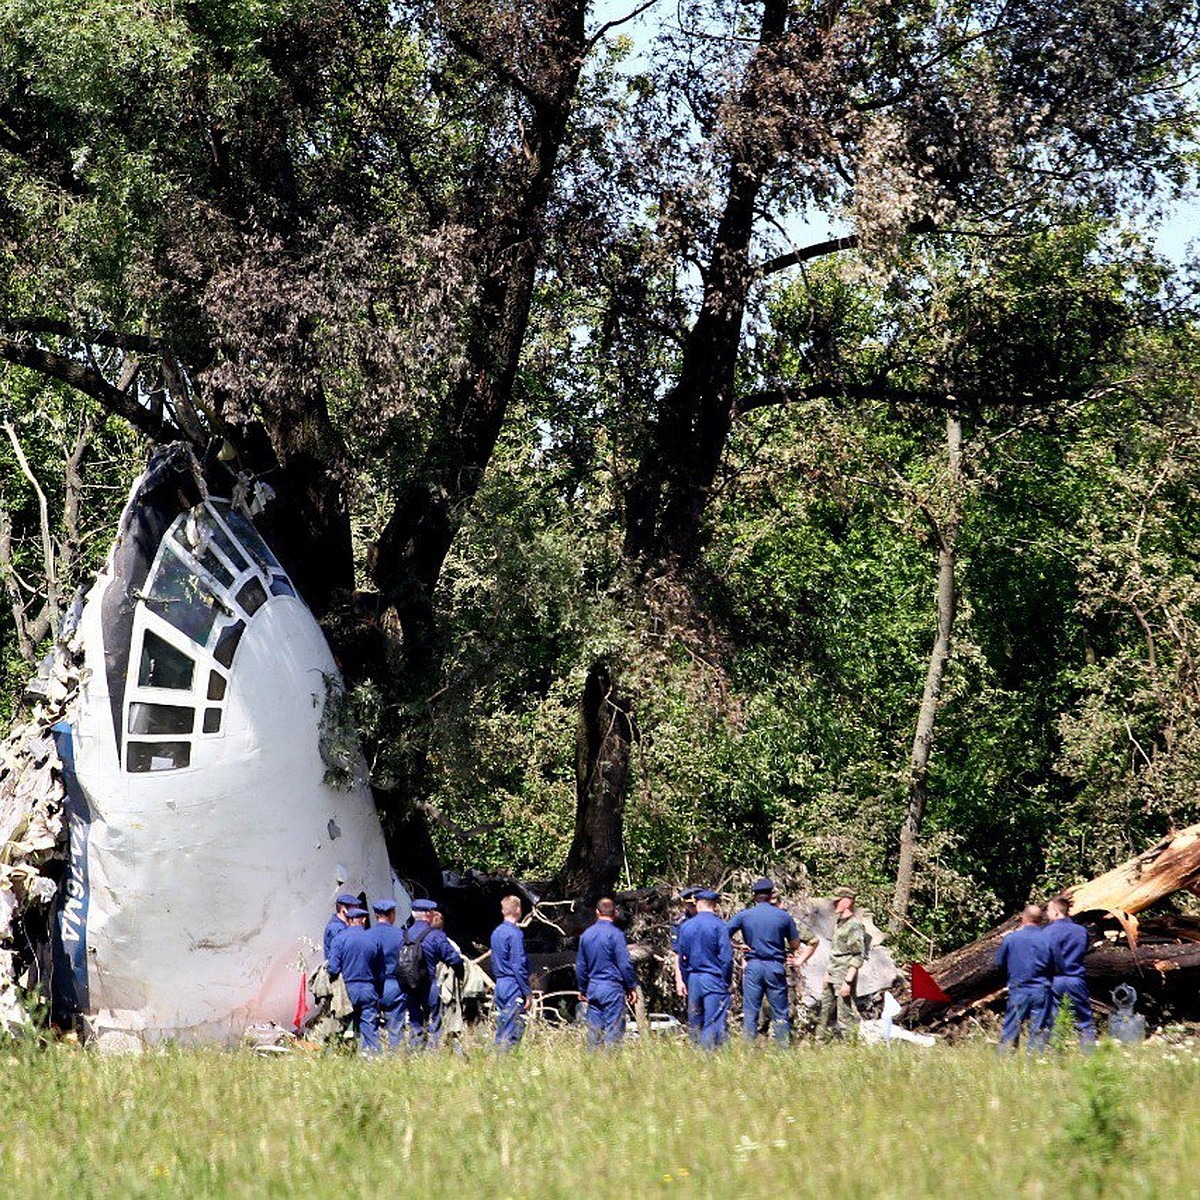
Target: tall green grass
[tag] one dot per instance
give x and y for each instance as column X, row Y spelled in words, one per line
column 551, row 1120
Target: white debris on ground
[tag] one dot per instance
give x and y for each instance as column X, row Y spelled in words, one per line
column 32, row 831
column 875, row 1033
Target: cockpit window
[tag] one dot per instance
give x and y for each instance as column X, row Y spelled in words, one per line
column 204, row 555
column 157, row 756
column 251, row 540
column 252, row 597
column 229, row 547
column 161, row 718
column 162, row 666
column 212, row 564
column 227, row 643
column 180, row 597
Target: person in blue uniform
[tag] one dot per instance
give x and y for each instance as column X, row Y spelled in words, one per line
column 391, row 995
column 425, row 1011
column 1024, row 955
column 510, row 969
column 356, row 957
column 687, row 896
column 770, row 935
column 605, row 977
column 1068, row 945
column 706, row 959
column 337, row 923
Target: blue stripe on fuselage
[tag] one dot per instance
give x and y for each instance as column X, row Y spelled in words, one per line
column 69, row 985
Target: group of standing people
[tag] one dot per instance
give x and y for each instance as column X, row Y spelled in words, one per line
column 390, row 973
column 1043, row 958
column 771, row 941
column 392, row 998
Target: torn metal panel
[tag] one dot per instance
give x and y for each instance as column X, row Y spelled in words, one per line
column 878, row 973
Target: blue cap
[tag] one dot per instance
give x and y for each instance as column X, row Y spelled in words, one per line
column 386, row 905
column 347, row 898
column 424, row 906
column 356, row 911
column 688, row 893
column 707, row 894
column 762, row 885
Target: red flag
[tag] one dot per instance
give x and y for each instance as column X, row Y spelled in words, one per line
column 301, row 1004
column 925, row 987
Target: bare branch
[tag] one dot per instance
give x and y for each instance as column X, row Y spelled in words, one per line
column 805, row 254
column 140, row 343
column 73, row 478
column 49, row 556
column 12, row 585
column 618, row 21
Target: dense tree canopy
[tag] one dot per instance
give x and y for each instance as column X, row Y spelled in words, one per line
column 519, row 316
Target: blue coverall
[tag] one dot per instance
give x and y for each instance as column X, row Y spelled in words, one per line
column 768, row 933
column 605, row 974
column 1068, row 944
column 356, row 957
column 706, row 959
column 1025, row 955
column 693, row 1018
column 334, row 928
column 425, row 1012
column 391, row 996
column 510, row 966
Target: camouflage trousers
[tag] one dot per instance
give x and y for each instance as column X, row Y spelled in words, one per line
column 833, row 1001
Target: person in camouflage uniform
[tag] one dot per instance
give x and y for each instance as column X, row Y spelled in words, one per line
column 846, row 956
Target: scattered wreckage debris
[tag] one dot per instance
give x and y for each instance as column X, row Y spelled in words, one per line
column 32, row 830
column 1159, row 954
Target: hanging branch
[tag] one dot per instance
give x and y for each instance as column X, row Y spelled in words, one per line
column 49, row 555
column 12, row 585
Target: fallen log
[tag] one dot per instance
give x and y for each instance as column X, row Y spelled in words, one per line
column 969, row 974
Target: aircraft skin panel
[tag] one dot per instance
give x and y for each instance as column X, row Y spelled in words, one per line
column 206, row 882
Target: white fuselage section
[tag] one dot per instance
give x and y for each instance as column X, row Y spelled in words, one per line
column 203, row 880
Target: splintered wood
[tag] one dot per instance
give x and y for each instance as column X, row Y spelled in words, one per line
column 1170, row 865
column 1156, row 955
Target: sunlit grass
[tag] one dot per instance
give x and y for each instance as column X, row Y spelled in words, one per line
column 551, row 1120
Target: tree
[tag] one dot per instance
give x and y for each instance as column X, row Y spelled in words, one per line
column 977, row 122
column 311, row 237
column 254, row 216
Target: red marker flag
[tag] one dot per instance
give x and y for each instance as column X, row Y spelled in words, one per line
column 301, row 1004
column 925, row 987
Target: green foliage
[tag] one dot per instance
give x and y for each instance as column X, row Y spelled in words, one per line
column 776, row 691
column 51, row 425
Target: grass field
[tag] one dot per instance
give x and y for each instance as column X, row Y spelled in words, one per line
column 653, row 1119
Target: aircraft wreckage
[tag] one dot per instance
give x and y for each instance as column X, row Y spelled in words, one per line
column 179, row 813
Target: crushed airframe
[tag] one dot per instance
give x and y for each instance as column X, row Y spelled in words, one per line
column 174, row 818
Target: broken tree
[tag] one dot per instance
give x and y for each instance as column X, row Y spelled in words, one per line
column 1146, row 951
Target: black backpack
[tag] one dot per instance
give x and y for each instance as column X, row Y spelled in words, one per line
column 412, row 971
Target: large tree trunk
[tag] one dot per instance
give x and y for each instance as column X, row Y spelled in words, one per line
column 969, row 974
column 946, row 531
column 666, row 499
column 602, row 752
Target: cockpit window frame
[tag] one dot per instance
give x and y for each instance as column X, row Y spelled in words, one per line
column 219, row 537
